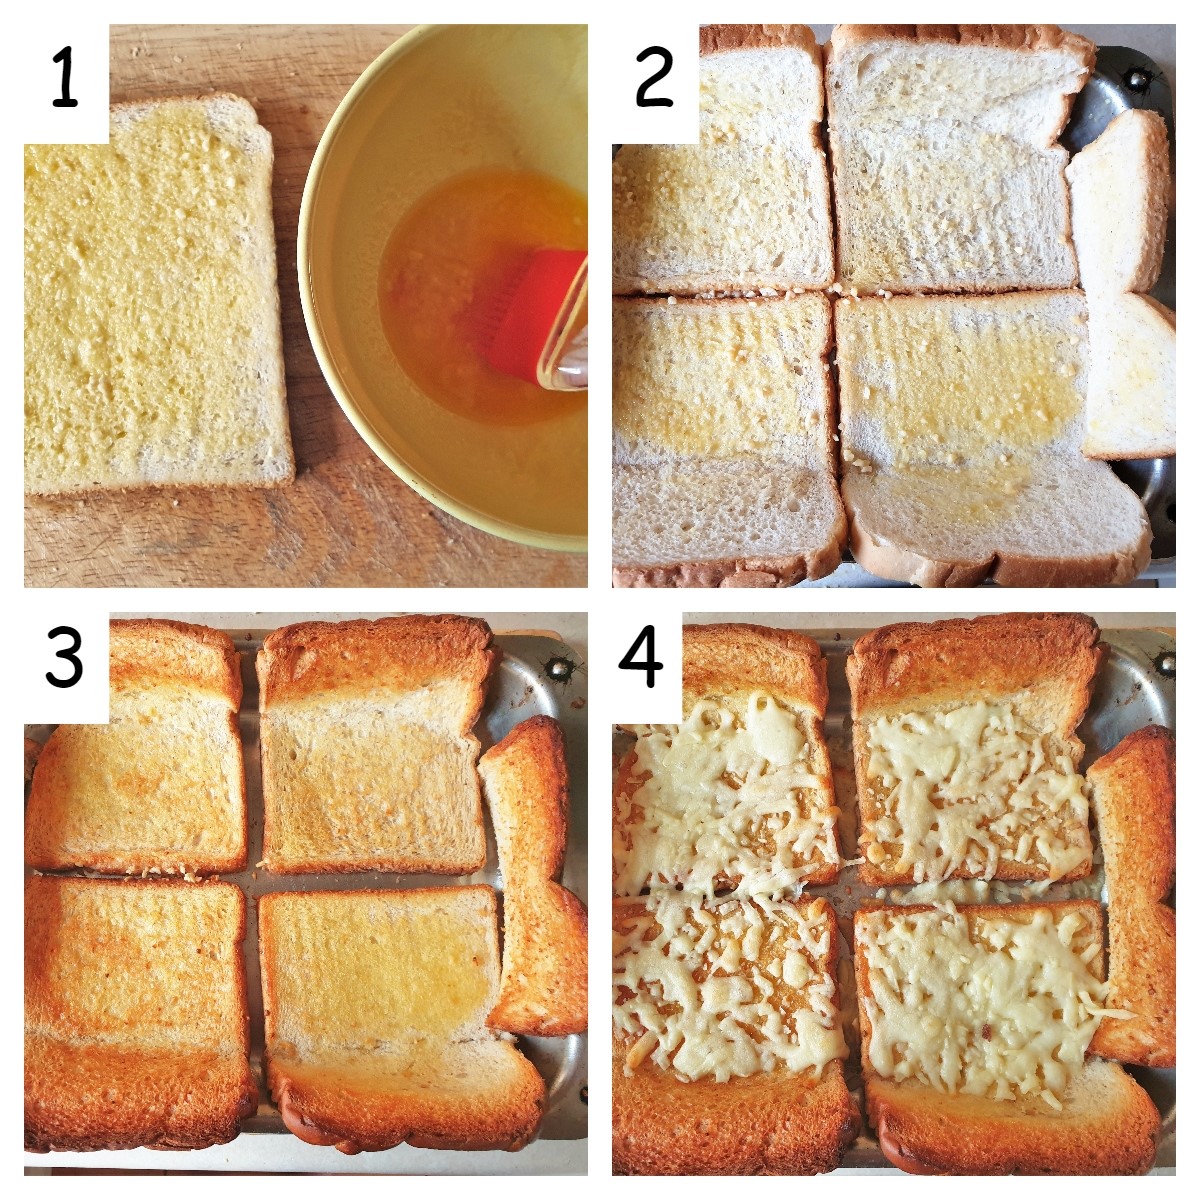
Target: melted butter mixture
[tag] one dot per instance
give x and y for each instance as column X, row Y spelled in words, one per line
column 448, row 262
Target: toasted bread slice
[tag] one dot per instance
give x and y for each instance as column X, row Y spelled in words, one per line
column 683, row 219
column 975, row 1026
column 727, row 1044
column 1120, row 200
column 153, row 349
column 375, row 1007
column 543, row 983
column 160, row 787
column 136, row 1029
column 722, row 450
column 965, row 752
column 367, row 753
column 947, row 172
column 1133, row 789
column 740, row 794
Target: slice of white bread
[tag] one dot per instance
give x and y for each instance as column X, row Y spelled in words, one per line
column 368, row 760
column 961, row 425
column 1133, row 789
column 1120, row 199
column 543, row 984
column 943, row 713
column 748, row 207
column 975, row 1025
column 136, row 1028
column 727, row 1042
column 160, row 787
column 741, row 794
column 722, row 428
column 947, row 173
column 153, row 351
column 375, row 1007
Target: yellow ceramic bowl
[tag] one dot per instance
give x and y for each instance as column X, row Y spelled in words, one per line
column 443, row 100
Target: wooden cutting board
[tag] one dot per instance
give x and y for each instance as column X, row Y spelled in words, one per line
column 347, row 520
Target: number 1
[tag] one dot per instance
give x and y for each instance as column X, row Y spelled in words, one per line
column 64, row 57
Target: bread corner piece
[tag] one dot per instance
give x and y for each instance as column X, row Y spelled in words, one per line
column 368, row 758
column 722, row 452
column 153, row 349
column 375, row 1007
column 754, row 702
column 160, row 787
column 693, row 1093
column 685, row 222
column 1133, row 789
column 947, row 172
column 543, row 984
column 962, row 422
column 983, row 1070
column 136, row 1028
column 942, row 713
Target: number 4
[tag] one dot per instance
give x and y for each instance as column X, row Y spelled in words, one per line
column 650, row 665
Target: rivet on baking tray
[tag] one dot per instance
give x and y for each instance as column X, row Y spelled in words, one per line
column 1137, row 79
column 583, row 1093
column 560, row 669
column 1164, row 664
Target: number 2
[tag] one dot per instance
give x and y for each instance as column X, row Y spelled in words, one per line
column 65, row 101
column 655, row 101
column 70, row 654
column 650, row 665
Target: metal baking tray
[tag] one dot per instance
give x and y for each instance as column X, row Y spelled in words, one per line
column 1134, row 687
column 536, row 674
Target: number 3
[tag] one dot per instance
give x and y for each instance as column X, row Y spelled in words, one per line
column 667, row 61
column 70, row 654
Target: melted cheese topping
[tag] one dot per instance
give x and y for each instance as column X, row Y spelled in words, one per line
column 724, row 797
column 982, row 1005
column 725, row 990
column 958, row 791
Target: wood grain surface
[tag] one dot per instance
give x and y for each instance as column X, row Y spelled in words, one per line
column 347, row 520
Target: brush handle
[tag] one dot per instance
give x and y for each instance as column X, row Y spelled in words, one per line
column 563, row 365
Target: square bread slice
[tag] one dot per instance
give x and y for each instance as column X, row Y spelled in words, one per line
column 1133, row 789
column 136, row 1029
column 685, row 219
column 375, row 1005
column 722, row 443
column 965, row 753
column 962, row 420
column 727, row 1038
column 947, row 172
column 975, row 1029
column 160, row 787
column 543, row 983
column 368, row 759
column 153, row 350
column 741, row 794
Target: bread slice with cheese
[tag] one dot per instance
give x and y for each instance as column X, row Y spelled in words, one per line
column 727, row 1043
column 976, row 1024
column 741, row 794
column 375, row 1007
column 368, row 758
column 962, row 421
column 136, row 1028
column 947, row 172
column 722, row 443
column 543, row 983
column 160, row 788
column 153, row 351
column 1133, row 790
column 684, row 219
column 965, row 753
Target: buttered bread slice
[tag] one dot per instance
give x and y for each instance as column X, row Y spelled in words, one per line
column 153, row 351
column 979, row 1020
column 726, row 1025
column 741, row 794
column 965, row 752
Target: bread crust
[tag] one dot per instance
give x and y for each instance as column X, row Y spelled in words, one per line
column 715, row 39
column 543, row 980
column 738, row 570
column 153, row 651
column 1031, row 38
column 1133, row 789
column 779, row 1123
